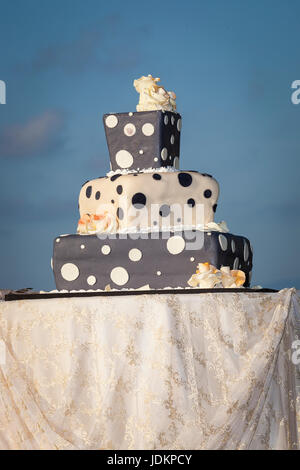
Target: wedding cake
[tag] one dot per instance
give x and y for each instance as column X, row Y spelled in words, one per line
column 147, row 224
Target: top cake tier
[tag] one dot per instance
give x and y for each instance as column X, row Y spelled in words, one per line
column 142, row 140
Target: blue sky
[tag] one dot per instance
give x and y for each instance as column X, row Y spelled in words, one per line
column 231, row 64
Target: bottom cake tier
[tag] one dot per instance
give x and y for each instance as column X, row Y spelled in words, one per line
column 157, row 260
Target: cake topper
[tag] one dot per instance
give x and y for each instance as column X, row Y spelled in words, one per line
column 152, row 96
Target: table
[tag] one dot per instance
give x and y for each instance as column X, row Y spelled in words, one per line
column 214, row 370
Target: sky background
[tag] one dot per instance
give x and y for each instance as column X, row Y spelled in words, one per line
column 231, row 64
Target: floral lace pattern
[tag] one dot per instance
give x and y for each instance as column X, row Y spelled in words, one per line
column 197, row 371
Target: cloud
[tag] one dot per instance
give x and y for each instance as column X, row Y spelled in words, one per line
column 73, row 56
column 102, row 47
column 37, row 136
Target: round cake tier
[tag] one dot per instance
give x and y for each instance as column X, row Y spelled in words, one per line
column 158, row 199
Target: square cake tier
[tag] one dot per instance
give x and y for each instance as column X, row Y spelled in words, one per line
column 147, row 139
column 157, row 259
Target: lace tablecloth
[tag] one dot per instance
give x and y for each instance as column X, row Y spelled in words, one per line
column 197, row 371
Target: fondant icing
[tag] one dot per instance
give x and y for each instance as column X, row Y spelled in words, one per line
column 146, row 222
column 152, row 197
column 158, row 259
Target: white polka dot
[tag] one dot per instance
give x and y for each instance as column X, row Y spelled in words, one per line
column 91, row 280
column 172, row 120
column 223, row 242
column 209, row 234
column 82, row 247
column 124, row 159
column 135, row 254
column 179, row 125
column 155, row 159
column 51, row 262
column 172, row 140
column 148, row 129
column 69, row 271
column 192, row 259
column 119, row 276
column 232, row 246
column 129, row 130
column 130, row 114
column 158, row 273
column 141, row 152
column 236, row 263
column 246, row 251
column 106, row 249
column 175, row 245
column 111, row 121
column 57, row 240
column 176, row 163
column 166, row 119
column 164, row 153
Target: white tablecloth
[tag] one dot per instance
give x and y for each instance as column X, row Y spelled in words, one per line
column 184, row 371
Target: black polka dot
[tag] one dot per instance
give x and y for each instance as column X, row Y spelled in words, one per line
column 119, row 189
column 112, row 201
column 154, row 223
column 97, row 195
column 88, row 191
column 178, row 220
column 185, row 179
column 164, row 210
column 156, row 176
column 139, row 200
column 191, row 202
column 206, row 174
column 215, row 207
column 114, row 177
column 120, row 213
column 207, row 193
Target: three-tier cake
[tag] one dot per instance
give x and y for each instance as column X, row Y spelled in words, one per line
column 147, row 224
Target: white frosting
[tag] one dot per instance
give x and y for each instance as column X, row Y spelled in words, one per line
column 152, row 96
column 161, row 169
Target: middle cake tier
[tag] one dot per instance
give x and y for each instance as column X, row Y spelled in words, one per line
column 157, row 199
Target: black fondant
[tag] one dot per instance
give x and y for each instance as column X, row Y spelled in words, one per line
column 207, row 193
column 150, row 145
column 88, row 191
column 139, row 200
column 97, row 195
column 185, row 179
column 156, row 176
column 119, row 189
column 164, row 210
column 114, row 177
column 120, row 213
column 175, row 269
column 215, row 207
column 191, row 202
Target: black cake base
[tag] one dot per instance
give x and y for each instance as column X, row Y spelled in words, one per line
column 157, row 260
